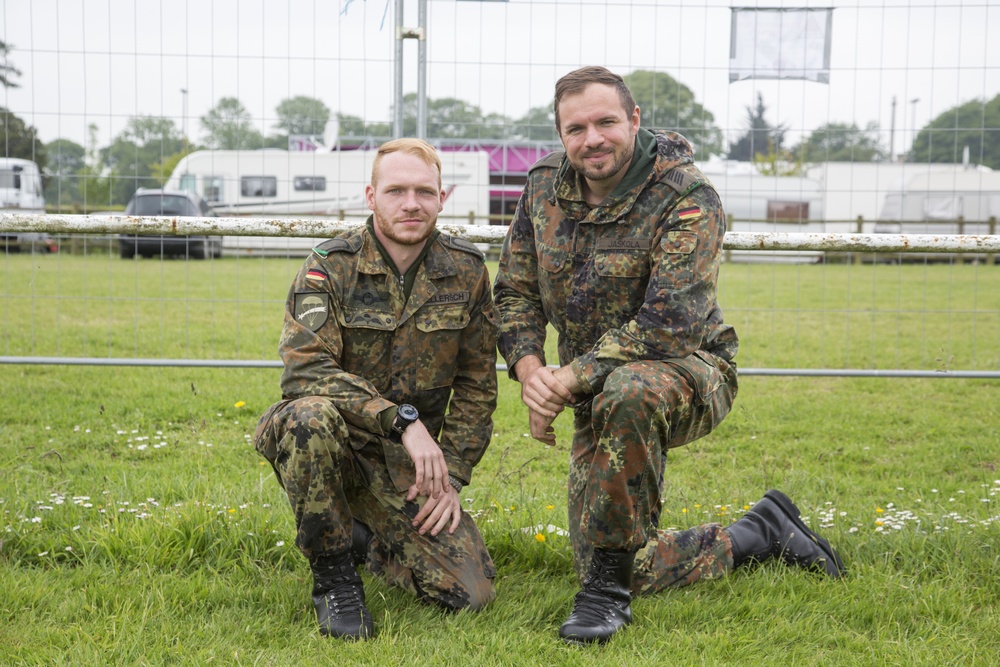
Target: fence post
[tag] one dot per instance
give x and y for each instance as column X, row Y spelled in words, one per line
column 993, row 230
column 472, row 217
column 961, row 230
column 728, row 256
column 859, row 229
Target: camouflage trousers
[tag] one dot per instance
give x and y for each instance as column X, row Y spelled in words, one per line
column 329, row 483
column 617, row 464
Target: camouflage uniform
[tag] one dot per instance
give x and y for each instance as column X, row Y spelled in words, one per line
column 353, row 347
column 630, row 287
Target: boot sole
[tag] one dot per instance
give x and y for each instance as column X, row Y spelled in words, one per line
column 834, row 566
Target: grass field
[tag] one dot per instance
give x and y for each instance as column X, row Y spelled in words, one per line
column 138, row 526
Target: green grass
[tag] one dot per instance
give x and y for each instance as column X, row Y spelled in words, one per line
column 138, row 526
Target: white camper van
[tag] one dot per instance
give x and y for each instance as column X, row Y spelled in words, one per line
column 21, row 192
column 282, row 184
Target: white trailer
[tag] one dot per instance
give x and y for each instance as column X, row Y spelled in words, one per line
column 758, row 203
column 943, row 202
column 861, row 189
column 281, row 184
column 21, row 192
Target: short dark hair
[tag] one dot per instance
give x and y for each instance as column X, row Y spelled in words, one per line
column 577, row 80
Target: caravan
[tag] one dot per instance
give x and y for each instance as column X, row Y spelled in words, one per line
column 283, row 184
column 755, row 202
column 21, row 192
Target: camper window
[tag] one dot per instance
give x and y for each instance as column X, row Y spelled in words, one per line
column 259, row 186
column 310, row 183
column 787, row 210
column 212, row 186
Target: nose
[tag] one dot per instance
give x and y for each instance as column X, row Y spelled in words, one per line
column 593, row 137
column 410, row 202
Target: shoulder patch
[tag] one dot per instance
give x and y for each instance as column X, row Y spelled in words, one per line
column 550, row 161
column 338, row 244
column 463, row 245
column 683, row 178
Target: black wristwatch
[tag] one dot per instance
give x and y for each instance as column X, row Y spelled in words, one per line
column 406, row 414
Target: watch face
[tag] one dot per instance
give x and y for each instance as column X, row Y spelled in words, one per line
column 407, row 412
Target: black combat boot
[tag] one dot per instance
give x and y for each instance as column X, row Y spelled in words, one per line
column 773, row 528
column 360, row 538
column 339, row 597
column 602, row 608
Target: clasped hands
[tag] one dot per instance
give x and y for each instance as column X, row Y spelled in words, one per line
column 546, row 393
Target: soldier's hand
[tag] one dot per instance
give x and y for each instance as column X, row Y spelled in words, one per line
column 541, row 428
column 438, row 513
column 428, row 462
column 541, row 391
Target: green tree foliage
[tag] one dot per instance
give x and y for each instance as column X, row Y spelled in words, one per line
column 66, row 161
column 354, row 130
column 538, row 124
column 452, row 118
column 95, row 186
column 18, row 139
column 840, row 142
column 975, row 124
column 132, row 155
column 302, row 115
column 7, row 71
column 228, row 125
column 760, row 138
column 667, row 104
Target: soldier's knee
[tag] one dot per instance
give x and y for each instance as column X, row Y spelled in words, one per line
column 475, row 597
column 625, row 390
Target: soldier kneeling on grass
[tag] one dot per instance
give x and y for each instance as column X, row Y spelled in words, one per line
column 388, row 391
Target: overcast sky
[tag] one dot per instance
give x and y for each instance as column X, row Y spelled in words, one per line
column 104, row 61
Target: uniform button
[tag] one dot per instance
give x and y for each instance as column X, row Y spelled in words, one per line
column 677, row 244
column 601, row 265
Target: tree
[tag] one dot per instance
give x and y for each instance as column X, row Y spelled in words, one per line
column 95, row 187
column 353, row 130
column 20, row 140
column 667, row 104
column 228, row 126
column 538, row 124
column 760, row 138
column 840, row 142
column 66, row 159
column 302, row 115
column 131, row 157
column 7, row 71
column 975, row 124
column 452, row 118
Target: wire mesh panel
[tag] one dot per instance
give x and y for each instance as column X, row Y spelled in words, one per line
column 824, row 117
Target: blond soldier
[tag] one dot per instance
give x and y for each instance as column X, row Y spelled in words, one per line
column 387, row 399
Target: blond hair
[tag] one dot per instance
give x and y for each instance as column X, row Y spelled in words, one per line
column 415, row 147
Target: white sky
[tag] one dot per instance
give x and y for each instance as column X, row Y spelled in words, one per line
column 103, row 61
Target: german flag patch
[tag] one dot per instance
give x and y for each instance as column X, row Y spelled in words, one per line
column 315, row 274
column 689, row 213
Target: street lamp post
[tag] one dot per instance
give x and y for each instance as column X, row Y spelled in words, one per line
column 913, row 123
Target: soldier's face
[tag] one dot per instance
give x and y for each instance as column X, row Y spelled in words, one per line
column 405, row 199
column 597, row 133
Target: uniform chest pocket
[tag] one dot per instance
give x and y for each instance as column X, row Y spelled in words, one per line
column 437, row 350
column 676, row 266
column 551, row 259
column 367, row 341
column 621, row 264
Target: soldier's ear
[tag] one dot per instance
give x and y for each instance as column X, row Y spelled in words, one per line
column 370, row 197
